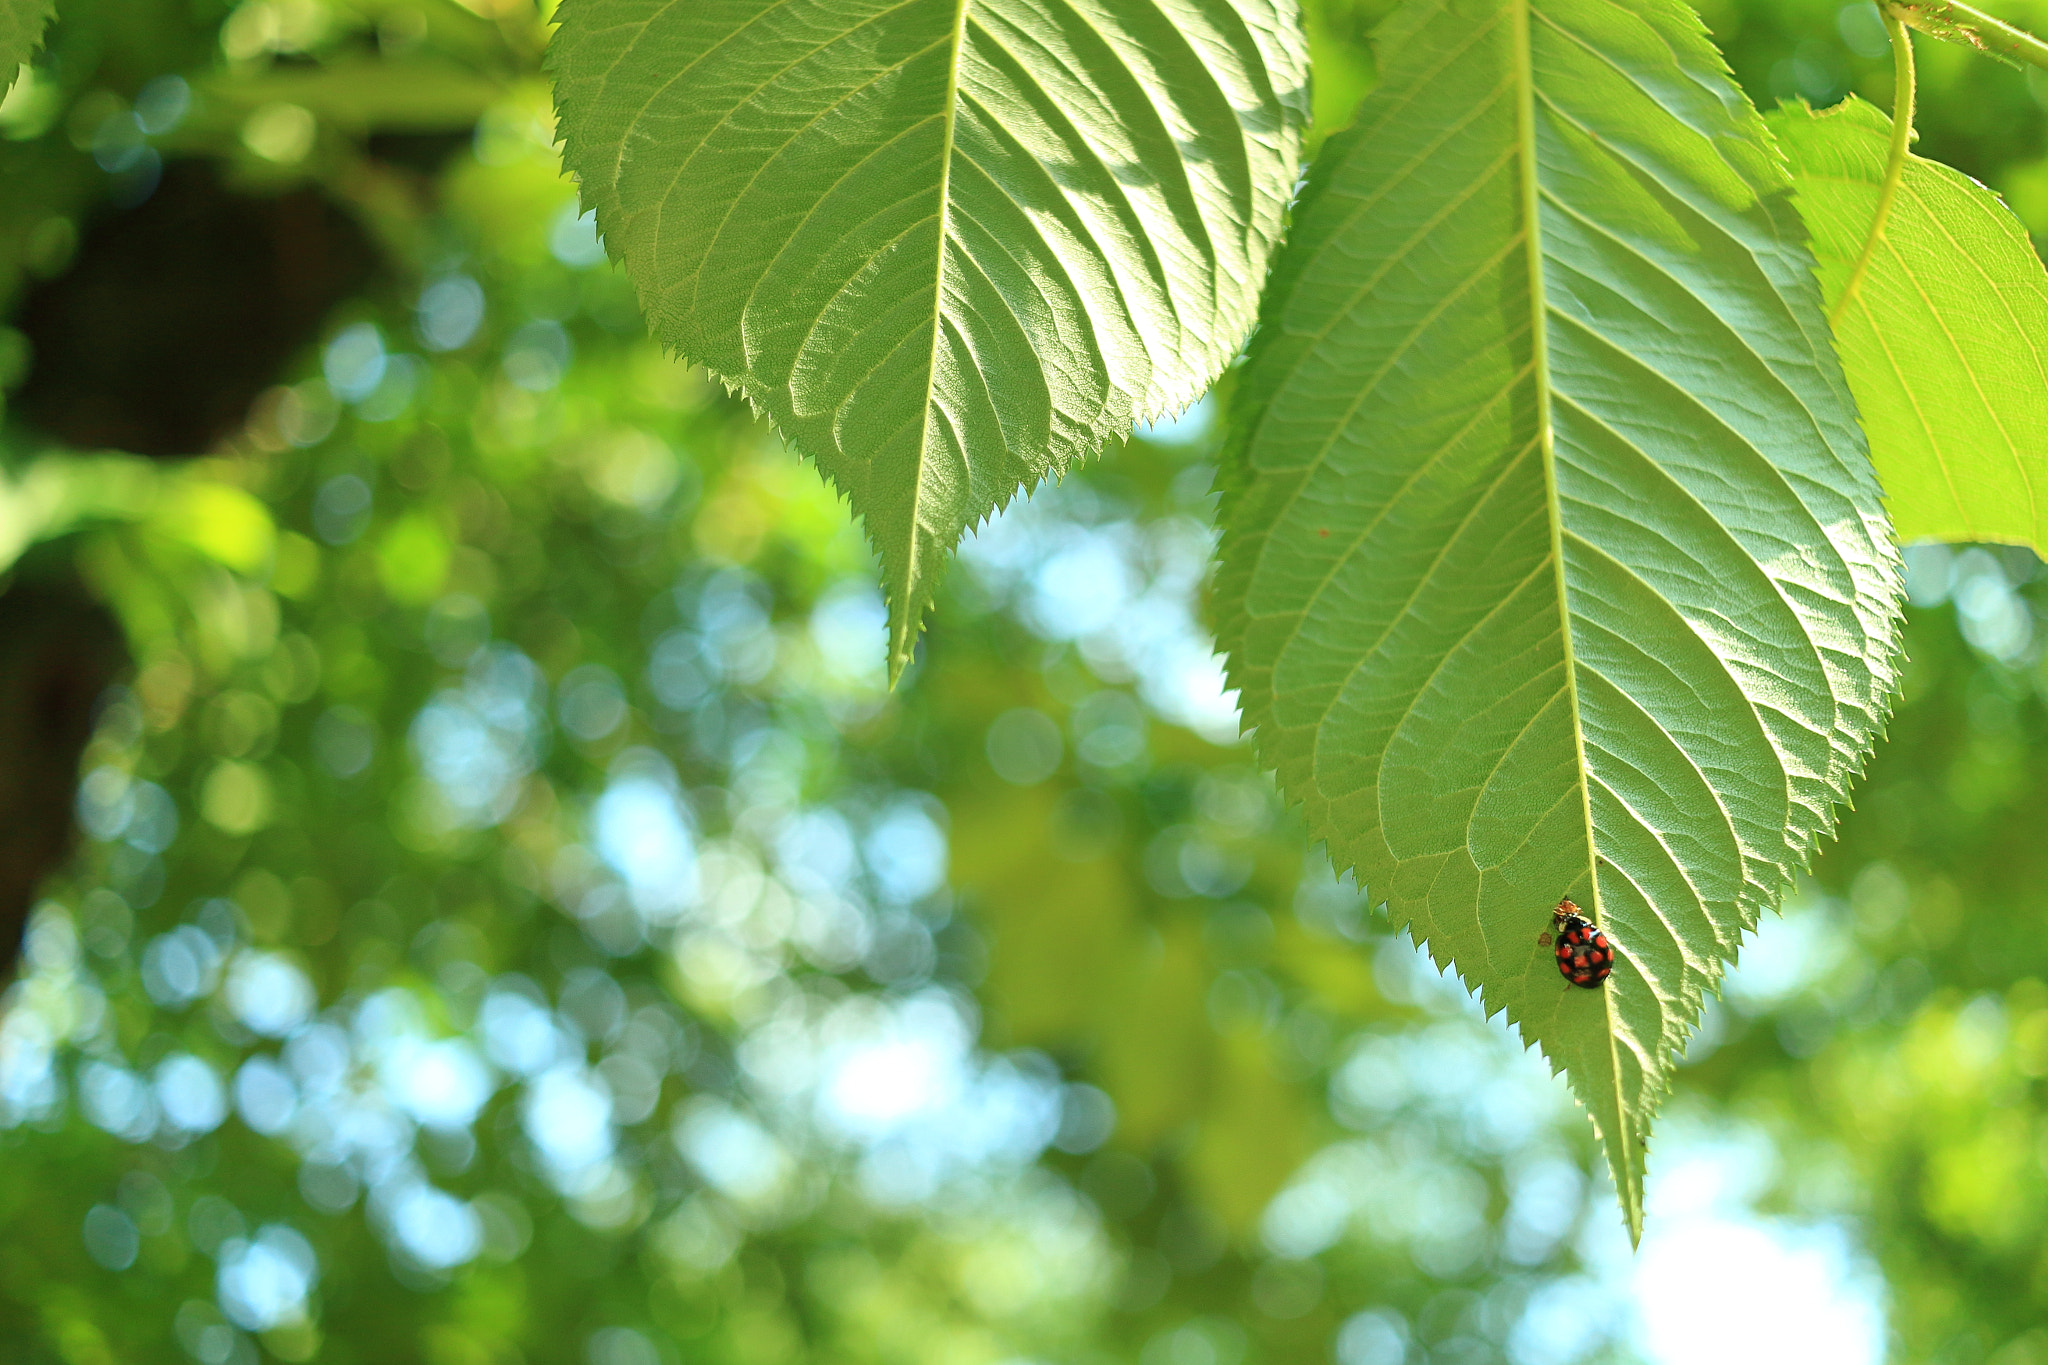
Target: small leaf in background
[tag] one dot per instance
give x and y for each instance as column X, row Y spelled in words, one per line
column 951, row 248
column 1554, row 564
column 21, row 32
column 1946, row 341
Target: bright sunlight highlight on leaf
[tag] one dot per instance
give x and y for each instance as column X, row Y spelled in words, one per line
column 1946, row 341
column 1554, row 564
column 950, row 246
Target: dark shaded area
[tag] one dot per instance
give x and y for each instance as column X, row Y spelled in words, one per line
column 59, row 650
column 180, row 311
column 421, row 153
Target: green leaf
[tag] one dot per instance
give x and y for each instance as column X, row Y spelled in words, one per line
column 1553, row 562
column 21, row 32
column 1946, row 341
column 950, row 246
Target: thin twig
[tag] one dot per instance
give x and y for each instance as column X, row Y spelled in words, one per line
column 1895, row 164
column 1955, row 22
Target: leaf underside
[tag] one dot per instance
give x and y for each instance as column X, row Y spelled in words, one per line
column 1946, row 342
column 949, row 246
column 21, row 32
column 1553, row 562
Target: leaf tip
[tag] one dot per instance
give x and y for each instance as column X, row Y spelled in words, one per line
column 906, row 626
column 902, row 645
column 899, row 662
column 1636, row 1144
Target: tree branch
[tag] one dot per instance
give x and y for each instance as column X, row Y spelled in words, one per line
column 1955, row 22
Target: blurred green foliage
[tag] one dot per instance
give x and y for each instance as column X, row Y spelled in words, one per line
column 515, row 923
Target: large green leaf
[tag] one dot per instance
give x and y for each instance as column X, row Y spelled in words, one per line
column 950, row 246
column 1946, row 341
column 21, row 31
column 1553, row 561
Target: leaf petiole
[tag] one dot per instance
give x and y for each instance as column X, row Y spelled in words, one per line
column 1895, row 163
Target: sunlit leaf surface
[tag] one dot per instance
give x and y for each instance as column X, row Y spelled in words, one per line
column 950, row 246
column 1554, row 564
column 1946, row 341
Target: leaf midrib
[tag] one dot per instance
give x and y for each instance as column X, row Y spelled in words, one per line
column 911, row 614
column 1539, row 342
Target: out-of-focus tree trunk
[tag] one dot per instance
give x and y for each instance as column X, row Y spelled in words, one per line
column 59, row 649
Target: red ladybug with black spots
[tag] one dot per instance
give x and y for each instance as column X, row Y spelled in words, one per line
column 1584, row 956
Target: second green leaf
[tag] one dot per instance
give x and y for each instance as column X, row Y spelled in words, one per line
column 950, row 246
column 1553, row 561
column 1946, row 340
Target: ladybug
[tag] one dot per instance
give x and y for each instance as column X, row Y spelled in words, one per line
column 1584, row 956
